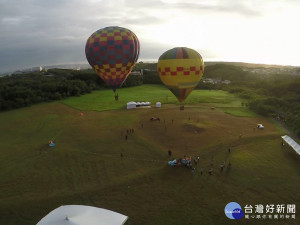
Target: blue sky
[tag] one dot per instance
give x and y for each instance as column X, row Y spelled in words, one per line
column 43, row 32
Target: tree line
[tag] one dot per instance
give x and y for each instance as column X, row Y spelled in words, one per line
column 22, row 90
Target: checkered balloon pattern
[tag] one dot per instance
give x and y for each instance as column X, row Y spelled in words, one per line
column 180, row 69
column 112, row 52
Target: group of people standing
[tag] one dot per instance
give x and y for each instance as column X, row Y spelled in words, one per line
column 128, row 131
column 189, row 163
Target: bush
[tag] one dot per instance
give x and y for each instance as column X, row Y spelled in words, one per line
column 133, row 80
column 261, row 107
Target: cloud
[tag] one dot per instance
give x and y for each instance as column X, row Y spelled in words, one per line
column 44, row 31
column 242, row 8
column 33, row 31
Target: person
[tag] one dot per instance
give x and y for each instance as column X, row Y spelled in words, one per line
column 116, row 97
column 195, row 161
column 126, row 137
column 169, row 152
column 201, row 171
column 229, row 149
column 210, row 171
column 229, row 166
column 222, row 167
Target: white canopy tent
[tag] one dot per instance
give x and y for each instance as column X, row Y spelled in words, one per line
column 82, row 215
column 158, row 105
column 294, row 145
column 131, row 105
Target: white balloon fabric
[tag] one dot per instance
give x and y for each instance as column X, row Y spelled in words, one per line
column 82, row 215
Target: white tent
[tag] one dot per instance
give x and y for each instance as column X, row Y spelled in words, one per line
column 131, row 105
column 294, row 145
column 158, row 105
column 82, row 215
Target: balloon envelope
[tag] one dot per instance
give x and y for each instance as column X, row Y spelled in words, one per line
column 180, row 69
column 112, row 52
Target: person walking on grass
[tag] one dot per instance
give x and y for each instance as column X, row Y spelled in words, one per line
column 229, row 166
column 222, row 167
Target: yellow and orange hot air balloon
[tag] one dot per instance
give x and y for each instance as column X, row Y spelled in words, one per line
column 180, row 69
column 112, row 52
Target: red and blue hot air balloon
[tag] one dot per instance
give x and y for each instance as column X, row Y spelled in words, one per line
column 112, row 52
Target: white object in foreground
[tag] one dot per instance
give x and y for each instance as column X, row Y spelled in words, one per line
column 82, row 215
column 294, row 145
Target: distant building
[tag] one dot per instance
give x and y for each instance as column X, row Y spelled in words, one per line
column 212, row 80
column 36, row 69
column 208, row 80
column 273, row 70
column 226, row 82
column 137, row 73
column 32, row 69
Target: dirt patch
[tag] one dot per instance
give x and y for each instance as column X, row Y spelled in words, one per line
column 192, row 128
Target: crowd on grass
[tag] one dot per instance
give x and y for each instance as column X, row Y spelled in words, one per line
column 193, row 162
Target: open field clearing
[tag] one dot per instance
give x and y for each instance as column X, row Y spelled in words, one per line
column 86, row 167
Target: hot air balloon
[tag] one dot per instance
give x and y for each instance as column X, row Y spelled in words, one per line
column 180, row 69
column 112, row 52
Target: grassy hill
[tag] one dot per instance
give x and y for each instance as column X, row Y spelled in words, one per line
column 85, row 166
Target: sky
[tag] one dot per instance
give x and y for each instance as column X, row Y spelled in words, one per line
column 43, row 32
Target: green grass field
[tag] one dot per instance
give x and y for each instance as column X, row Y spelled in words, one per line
column 85, row 166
